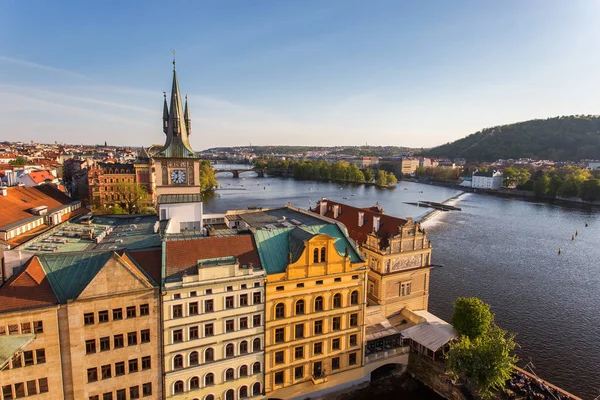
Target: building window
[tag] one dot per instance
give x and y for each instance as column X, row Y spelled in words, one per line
column 243, row 371
column 335, row 344
column 229, row 325
column 256, row 344
column 256, row 389
column 323, row 254
column 28, row 357
column 208, row 306
column 131, row 312
column 299, row 285
column 243, row 347
column 318, row 348
column 178, row 361
column 43, row 385
column 194, row 383
column 88, row 319
column 145, row 336
column 178, row 387
column 107, row 396
column 209, row 355
column 353, row 340
column 299, row 331
column 300, row 307
column 243, row 300
column 229, row 302
column 31, row 388
column 316, row 255
column 279, row 357
column 371, row 287
column 355, row 277
column 229, row 374
column 319, row 282
column 40, row 356
column 208, row 291
column 299, row 372
column 352, row 359
column 19, row 390
column 209, row 379
column 90, row 346
column 133, row 365
column 337, row 301
column 256, row 368
column 118, row 341
column 193, row 308
column 92, row 374
column 229, row 350
column 144, row 309
column 354, row 298
column 16, row 362
column 335, row 363
column 279, row 288
column 230, row 395
column 208, row 330
column 336, row 324
column 178, row 336
column 146, row 364
column 280, row 311
column 354, row 320
column 256, row 320
column 131, row 338
column 194, row 359
column 193, row 294
column 105, row 343
column 256, row 298
column 106, row 371
column 147, row 389
column 337, row 279
column 279, row 335
column 26, row 327
column 103, row 316
column 122, row 395
column 230, row 288
column 193, row 332
column 279, row 375
column 244, row 323
column 298, row 353
column 405, row 289
column 177, row 311
column 134, row 392
column 7, row 392
column 319, row 304
column 120, row 368
column 318, row 327
column 117, row 314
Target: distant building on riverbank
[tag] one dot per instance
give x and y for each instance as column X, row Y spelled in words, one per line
column 491, row 180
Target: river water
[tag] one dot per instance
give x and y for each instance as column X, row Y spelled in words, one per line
column 500, row 250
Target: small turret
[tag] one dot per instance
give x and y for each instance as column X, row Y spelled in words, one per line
column 186, row 117
column 165, row 115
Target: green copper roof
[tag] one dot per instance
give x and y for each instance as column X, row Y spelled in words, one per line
column 275, row 245
column 70, row 273
column 9, row 345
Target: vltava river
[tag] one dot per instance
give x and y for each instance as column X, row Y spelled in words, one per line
column 503, row 251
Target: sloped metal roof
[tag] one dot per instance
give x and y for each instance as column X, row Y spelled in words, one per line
column 9, row 345
column 179, row 198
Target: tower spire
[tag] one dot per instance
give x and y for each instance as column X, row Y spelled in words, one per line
column 186, row 116
column 165, row 114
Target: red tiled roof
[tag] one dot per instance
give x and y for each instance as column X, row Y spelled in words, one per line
column 150, row 261
column 40, row 176
column 28, row 288
column 182, row 256
column 14, row 206
column 388, row 225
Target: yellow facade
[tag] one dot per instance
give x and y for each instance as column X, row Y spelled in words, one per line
column 314, row 318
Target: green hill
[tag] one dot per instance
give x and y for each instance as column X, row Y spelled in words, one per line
column 570, row 138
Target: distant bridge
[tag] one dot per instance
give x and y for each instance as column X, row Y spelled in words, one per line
column 260, row 171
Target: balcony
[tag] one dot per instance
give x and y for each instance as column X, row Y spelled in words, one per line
column 381, row 355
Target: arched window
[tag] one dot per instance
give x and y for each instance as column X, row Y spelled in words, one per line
column 243, row 371
column 316, row 255
column 300, row 307
column 256, row 389
column 256, row 344
column 178, row 387
column 229, row 374
column 209, row 355
column 209, row 379
column 337, row 301
column 354, row 298
column 195, row 383
column 209, row 397
column 194, row 358
column 280, row 310
column 256, row 368
column 243, row 392
column 243, row 347
column 230, row 395
column 178, row 361
column 323, row 254
column 229, row 350
column 319, row 304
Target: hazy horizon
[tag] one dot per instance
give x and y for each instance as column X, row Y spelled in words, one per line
column 332, row 73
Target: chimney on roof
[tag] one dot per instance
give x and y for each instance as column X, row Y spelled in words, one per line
column 361, row 218
column 322, row 207
column 3, row 191
column 375, row 224
column 336, row 211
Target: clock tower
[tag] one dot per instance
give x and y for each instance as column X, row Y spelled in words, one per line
column 177, row 166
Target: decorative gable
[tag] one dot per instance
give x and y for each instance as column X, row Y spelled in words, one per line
column 116, row 276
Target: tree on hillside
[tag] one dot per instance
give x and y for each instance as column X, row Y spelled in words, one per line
column 523, row 176
column 133, row 195
column 355, row 174
column 487, row 360
column 472, row 317
column 590, row 190
column 509, row 175
column 381, row 179
column 541, row 185
column 208, row 180
column 369, row 175
column 390, row 179
column 555, row 185
column 18, row 161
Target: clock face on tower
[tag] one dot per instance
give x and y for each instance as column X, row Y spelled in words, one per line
column 178, row 176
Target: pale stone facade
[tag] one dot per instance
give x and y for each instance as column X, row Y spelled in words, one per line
column 214, row 332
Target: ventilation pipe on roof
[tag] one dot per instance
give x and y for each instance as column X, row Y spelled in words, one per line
column 3, row 191
column 336, row 211
column 361, row 218
column 322, row 207
column 375, row 224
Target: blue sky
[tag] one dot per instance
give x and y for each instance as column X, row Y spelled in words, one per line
column 417, row 73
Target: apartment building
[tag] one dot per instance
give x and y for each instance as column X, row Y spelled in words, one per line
column 213, row 311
